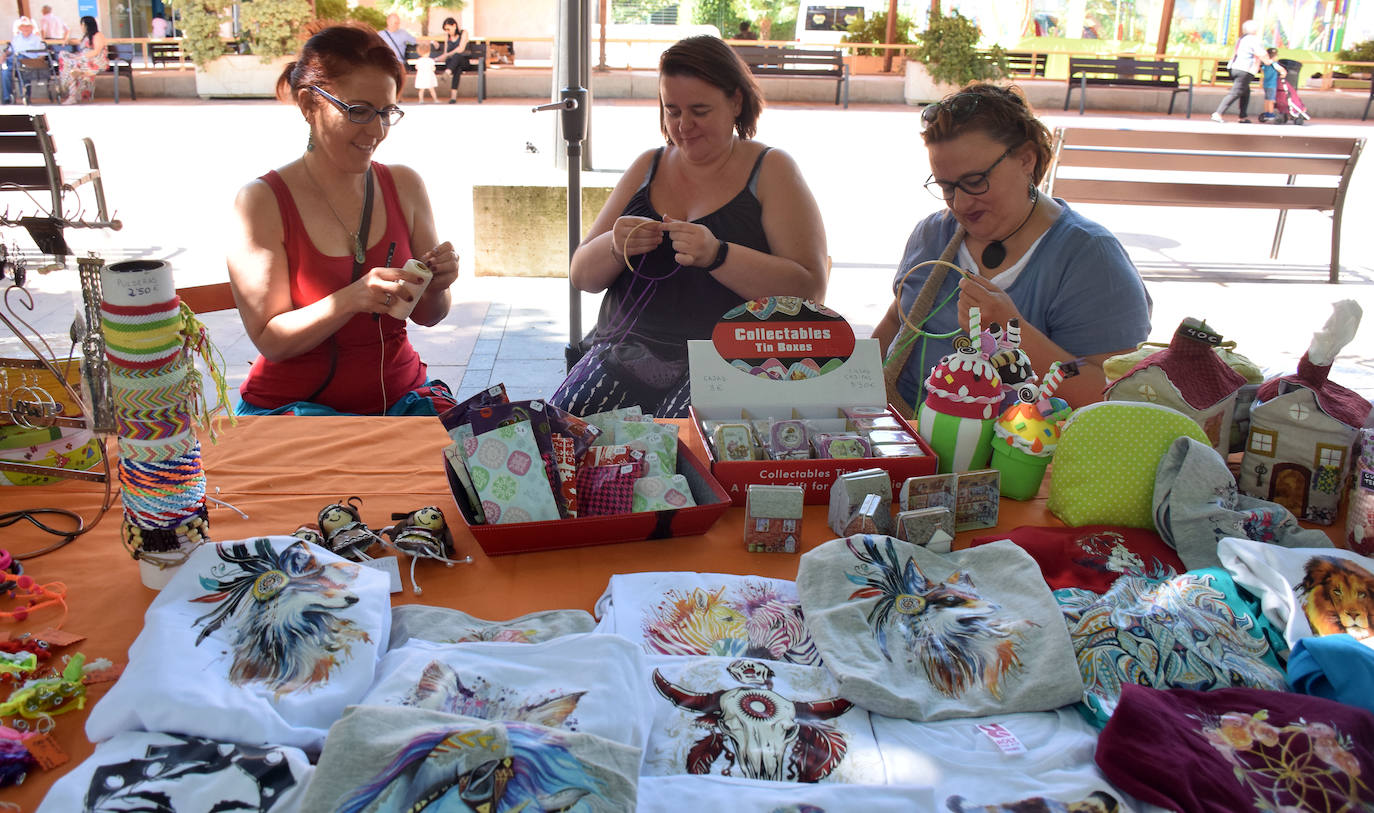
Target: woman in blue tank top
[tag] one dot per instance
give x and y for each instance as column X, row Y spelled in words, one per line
column 692, row 229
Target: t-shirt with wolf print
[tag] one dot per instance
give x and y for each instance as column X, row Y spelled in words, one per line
column 589, row 683
column 927, row 636
column 260, row 641
column 685, row 613
column 1306, row 591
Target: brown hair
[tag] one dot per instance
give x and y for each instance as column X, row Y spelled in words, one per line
column 1001, row 113
column 715, row 63
column 334, row 52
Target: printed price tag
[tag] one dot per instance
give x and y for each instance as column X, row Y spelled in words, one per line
column 389, row 566
column 45, row 750
column 1002, row 738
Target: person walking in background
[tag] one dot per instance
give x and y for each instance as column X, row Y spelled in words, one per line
column 51, row 26
column 397, row 37
column 77, row 70
column 1270, row 83
column 159, row 28
column 425, row 79
column 1244, row 66
column 746, row 32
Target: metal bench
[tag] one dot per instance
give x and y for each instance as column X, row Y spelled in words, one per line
column 1126, row 72
column 767, row 60
column 1128, row 167
column 28, row 164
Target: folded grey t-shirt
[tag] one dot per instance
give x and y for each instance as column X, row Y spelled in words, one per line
column 383, row 758
column 926, row 636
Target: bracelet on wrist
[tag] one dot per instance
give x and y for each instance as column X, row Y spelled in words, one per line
column 720, row 257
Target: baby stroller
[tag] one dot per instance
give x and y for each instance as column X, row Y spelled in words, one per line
column 1288, row 106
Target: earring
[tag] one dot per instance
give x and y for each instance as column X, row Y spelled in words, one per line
column 310, row 141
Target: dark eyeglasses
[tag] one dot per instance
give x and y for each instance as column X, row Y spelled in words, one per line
column 363, row 113
column 960, row 105
column 973, row 183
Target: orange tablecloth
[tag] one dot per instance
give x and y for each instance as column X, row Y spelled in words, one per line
column 282, row 470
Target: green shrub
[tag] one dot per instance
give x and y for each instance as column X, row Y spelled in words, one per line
column 367, row 15
column 874, row 29
column 949, row 49
column 1361, row 52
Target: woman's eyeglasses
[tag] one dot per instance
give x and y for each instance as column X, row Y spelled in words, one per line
column 960, row 105
column 363, row 113
column 973, row 183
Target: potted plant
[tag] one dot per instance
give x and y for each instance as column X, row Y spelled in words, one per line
column 268, row 38
column 874, row 29
column 947, row 57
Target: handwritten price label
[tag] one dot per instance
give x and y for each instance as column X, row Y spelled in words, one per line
column 714, row 383
column 860, row 380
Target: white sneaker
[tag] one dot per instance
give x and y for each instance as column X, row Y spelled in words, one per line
column 1217, row 118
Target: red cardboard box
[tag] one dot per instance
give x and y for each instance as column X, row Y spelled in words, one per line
column 721, row 391
column 526, row 537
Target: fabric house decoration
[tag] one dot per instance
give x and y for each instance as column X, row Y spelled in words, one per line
column 1189, row 377
column 1303, row 429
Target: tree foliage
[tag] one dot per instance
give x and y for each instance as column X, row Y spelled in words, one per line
column 874, row 29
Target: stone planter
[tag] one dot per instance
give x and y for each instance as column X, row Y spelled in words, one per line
column 240, row 76
column 919, row 88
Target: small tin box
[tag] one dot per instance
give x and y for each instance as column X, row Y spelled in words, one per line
column 773, row 518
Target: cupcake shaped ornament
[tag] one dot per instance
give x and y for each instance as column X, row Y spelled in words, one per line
column 963, row 393
column 1027, row 434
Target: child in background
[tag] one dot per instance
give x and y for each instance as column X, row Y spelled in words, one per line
column 425, row 79
column 1270, row 82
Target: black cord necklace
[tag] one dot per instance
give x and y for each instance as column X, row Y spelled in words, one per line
column 994, row 253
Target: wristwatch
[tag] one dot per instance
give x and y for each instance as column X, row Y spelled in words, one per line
column 720, row 257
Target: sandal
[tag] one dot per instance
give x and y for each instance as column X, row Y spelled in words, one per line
column 423, row 533
column 344, row 531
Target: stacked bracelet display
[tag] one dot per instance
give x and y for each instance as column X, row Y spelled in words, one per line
column 155, row 389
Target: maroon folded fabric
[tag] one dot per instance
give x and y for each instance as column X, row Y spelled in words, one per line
column 1091, row 556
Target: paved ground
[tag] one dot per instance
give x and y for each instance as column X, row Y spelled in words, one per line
column 172, row 169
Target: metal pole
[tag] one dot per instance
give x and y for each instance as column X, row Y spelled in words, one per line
column 573, row 104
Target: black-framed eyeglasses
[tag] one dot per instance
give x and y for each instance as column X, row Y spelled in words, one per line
column 973, row 183
column 363, row 113
column 960, row 105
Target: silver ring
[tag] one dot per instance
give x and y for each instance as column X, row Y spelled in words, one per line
column 388, row 300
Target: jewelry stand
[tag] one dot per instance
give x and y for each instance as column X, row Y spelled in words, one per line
column 42, row 391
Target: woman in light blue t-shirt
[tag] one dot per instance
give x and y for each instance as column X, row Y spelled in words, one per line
column 1027, row 256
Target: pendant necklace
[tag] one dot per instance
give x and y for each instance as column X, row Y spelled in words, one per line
column 357, row 238
column 994, row 253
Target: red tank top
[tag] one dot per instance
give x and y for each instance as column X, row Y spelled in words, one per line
column 363, row 355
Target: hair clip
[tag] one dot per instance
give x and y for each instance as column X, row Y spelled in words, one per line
column 38, row 596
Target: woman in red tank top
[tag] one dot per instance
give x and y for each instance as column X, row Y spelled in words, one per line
column 318, row 267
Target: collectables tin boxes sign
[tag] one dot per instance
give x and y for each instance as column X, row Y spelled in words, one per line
column 786, row 358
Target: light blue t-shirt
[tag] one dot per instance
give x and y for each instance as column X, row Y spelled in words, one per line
column 1078, row 288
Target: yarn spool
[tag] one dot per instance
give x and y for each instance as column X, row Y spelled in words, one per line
column 153, row 388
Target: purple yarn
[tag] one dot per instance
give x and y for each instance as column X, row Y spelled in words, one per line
column 15, row 762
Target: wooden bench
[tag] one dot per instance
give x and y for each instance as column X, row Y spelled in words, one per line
column 121, row 59
column 767, row 60
column 1126, row 72
column 28, row 164
column 1127, row 167
column 1025, row 64
column 1220, row 74
column 162, row 53
column 1365, row 115
column 476, row 53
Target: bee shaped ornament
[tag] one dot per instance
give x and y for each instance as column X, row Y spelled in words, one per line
column 423, row 533
column 344, row 531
